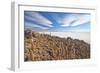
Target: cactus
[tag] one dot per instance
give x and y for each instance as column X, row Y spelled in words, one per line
column 42, row 46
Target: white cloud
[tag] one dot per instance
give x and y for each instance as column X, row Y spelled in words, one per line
column 30, row 25
column 75, row 19
column 68, row 19
column 81, row 20
column 39, row 19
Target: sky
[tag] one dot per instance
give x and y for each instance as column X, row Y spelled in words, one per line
column 56, row 21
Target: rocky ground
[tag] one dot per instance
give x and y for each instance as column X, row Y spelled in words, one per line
column 40, row 47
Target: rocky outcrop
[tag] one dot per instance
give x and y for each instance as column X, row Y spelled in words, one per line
column 40, row 47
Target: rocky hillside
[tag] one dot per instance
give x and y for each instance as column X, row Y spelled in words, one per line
column 39, row 47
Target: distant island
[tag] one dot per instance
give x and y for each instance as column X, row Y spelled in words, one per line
column 43, row 47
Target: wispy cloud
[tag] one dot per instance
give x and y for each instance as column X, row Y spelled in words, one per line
column 32, row 25
column 75, row 19
column 38, row 18
column 81, row 20
column 56, row 21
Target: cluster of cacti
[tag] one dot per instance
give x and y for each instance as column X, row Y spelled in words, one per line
column 38, row 47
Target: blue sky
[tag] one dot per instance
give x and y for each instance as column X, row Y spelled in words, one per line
column 56, row 21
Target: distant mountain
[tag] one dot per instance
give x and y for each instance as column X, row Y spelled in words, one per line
column 39, row 47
